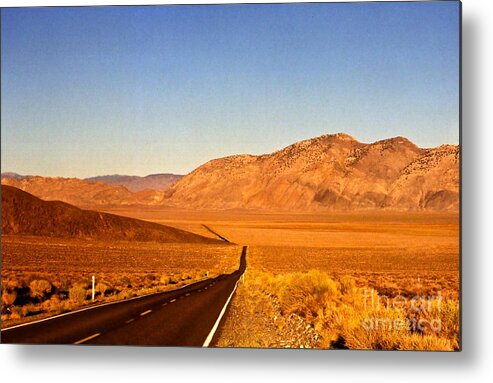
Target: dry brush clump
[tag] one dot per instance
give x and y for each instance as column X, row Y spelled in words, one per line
column 39, row 288
column 8, row 297
column 350, row 316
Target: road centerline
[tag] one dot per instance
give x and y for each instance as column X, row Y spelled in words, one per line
column 88, row 338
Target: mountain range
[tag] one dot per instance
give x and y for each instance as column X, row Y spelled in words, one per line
column 13, row 175
column 330, row 172
column 158, row 182
column 84, row 193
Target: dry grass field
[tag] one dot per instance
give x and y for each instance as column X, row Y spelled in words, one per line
column 315, row 280
column 391, row 257
column 406, row 253
column 44, row 276
column 312, row 280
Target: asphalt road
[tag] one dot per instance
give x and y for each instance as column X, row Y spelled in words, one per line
column 187, row 316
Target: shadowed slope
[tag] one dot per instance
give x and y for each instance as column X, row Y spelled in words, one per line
column 22, row 213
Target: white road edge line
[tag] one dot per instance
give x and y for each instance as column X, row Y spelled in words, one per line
column 216, row 325
column 88, row 338
column 93, row 307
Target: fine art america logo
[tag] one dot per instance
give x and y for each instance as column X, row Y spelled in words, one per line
column 398, row 313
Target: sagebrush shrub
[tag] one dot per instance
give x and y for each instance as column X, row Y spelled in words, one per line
column 39, row 288
column 358, row 317
column 8, row 297
column 77, row 293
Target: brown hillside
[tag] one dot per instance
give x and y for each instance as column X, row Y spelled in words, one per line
column 24, row 214
column 331, row 172
column 83, row 193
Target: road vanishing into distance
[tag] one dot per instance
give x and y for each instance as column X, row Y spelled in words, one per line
column 188, row 316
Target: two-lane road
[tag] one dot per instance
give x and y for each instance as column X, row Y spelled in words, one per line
column 187, row 316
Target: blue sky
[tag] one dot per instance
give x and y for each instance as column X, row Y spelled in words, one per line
column 140, row 90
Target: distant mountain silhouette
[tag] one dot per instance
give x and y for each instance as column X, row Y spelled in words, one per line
column 135, row 183
column 12, row 175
